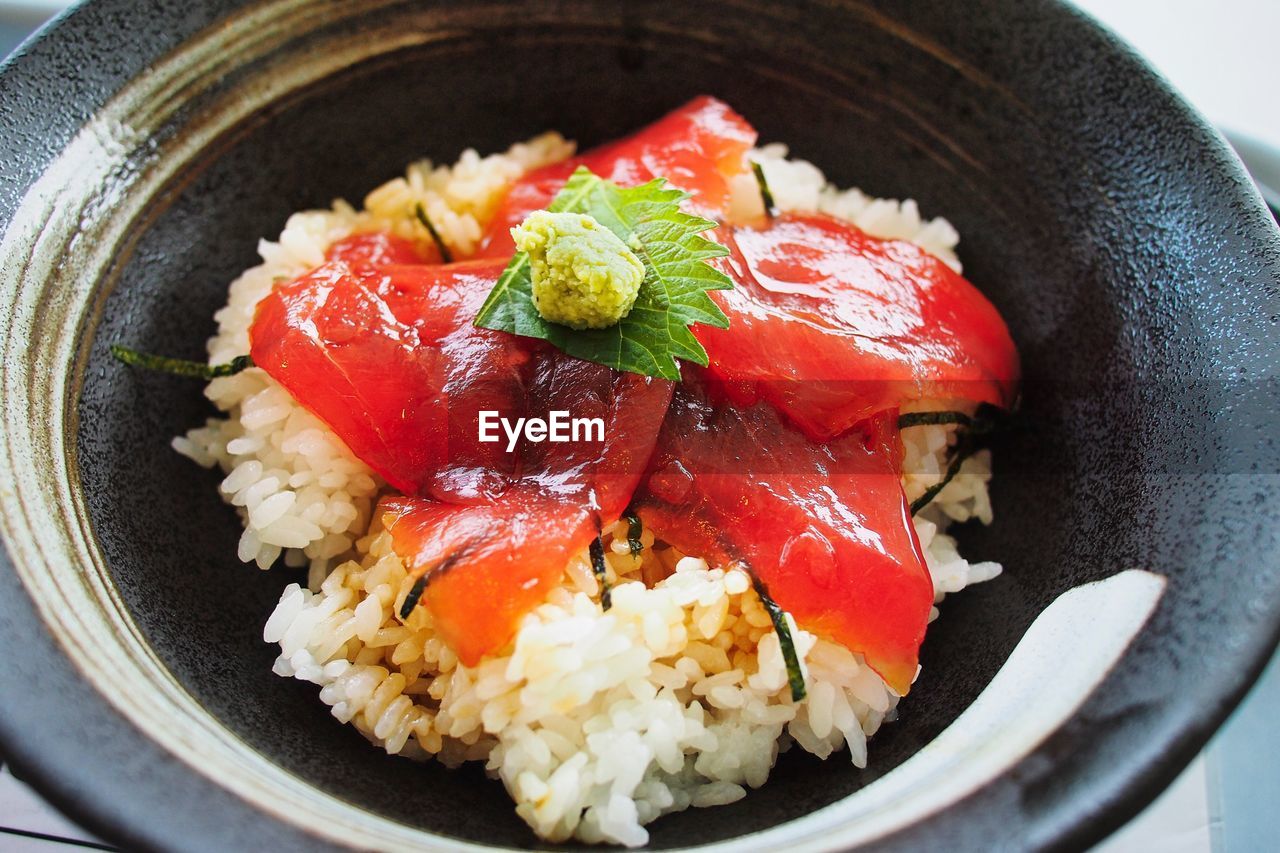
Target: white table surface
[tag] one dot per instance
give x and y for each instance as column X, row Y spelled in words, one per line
column 1220, row 54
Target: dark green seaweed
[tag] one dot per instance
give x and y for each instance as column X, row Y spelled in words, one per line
column 421, row 213
column 961, row 454
column 440, row 568
column 634, row 530
column 765, row 193
column 914, row 419
column 415, row 594
column 179, row 366
column 795, row 675
column 985, row 421
column 598, row 569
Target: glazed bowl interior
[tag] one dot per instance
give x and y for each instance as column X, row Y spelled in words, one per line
column 1110, row 228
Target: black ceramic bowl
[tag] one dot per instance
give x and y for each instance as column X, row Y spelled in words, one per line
column 147, row 146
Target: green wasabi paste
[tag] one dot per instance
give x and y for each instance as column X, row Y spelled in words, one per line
column 583, row 275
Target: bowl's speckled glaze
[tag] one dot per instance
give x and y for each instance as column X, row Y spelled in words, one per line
column 148, row 146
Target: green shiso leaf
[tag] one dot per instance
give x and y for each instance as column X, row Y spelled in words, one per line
column 673, row 295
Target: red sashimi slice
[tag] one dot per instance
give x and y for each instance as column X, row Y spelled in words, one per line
column 485, row 566
column 831, row 326
column 380, row 249
column 824, row 526
column 389, row 359
column 699, row 148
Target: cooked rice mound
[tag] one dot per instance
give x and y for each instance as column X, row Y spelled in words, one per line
column 596, row 722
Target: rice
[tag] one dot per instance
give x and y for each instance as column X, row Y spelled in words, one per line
column 596, row 722
column 799, row 185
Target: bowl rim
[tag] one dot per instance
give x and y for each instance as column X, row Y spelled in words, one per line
column 205, row 815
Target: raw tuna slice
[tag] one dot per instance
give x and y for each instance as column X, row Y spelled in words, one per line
column 379, row 249
column 832, row 326
column 699, row 148
column 388, row 358
column 486, row 565
column 825, row 526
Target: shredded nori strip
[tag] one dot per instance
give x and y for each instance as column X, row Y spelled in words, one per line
column 598, row 569
column 795, row 675
column 952, row 469
column 415, row 595
column 179, row 366
column 765, row 193
column 634, row 530
column 415, row 592
column 913, row 419
column 984, row 422
column 421, row 212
